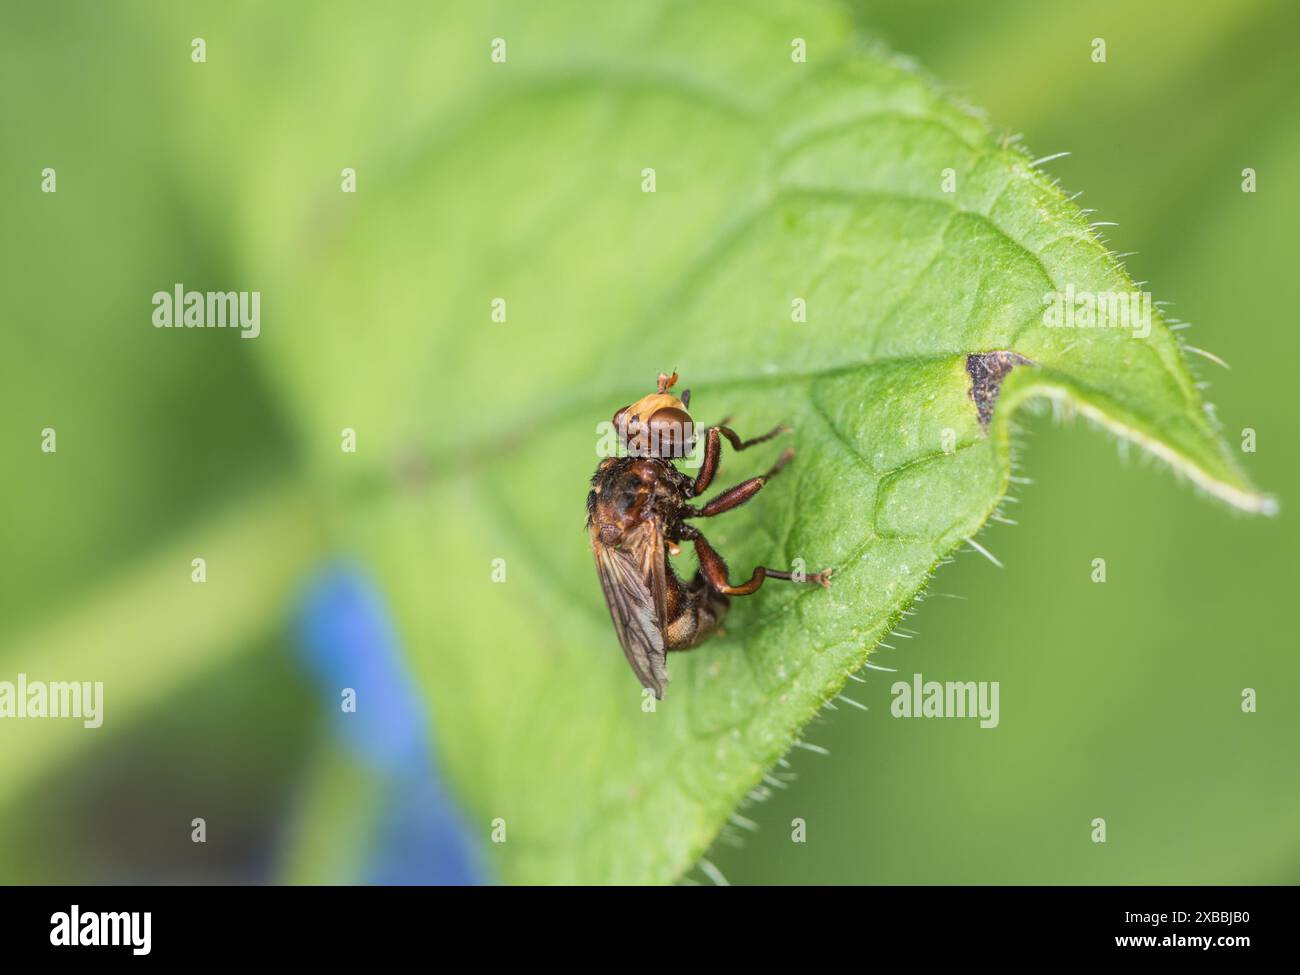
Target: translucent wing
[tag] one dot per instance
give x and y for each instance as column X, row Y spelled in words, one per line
column 633, row 578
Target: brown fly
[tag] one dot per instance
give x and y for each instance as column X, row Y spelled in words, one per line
column 636, row 514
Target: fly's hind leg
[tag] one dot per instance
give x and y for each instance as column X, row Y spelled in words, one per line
column 714, row 570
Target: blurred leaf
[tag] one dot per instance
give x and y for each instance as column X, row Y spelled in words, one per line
column 337, row 811
column 152, row 432
column 776, row 180
column 120, row 808
column 149, row 630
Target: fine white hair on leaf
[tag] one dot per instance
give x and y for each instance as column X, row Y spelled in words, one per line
column 809, row 746
column 984, row 552
column 1208, row 355
column 744, row 822
column 713, row 873
column 849, row 700
column 1046, row 159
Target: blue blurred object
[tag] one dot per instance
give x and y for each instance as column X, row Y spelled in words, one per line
column 348, row 640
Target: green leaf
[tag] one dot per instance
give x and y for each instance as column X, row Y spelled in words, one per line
column 775, row 180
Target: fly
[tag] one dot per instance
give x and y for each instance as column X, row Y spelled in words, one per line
column 637, row 513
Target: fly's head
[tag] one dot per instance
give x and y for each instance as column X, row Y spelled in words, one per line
column 658, row 425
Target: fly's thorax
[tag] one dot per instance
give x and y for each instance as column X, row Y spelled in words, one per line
column 619, row 494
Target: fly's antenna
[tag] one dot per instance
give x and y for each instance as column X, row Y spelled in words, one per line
column 666, row 381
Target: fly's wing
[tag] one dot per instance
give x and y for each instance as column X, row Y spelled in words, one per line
column 633, row 578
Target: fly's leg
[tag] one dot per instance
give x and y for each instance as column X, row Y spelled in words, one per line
column 737, row 444
column 713, row 450
column 742, row 492
column 714, row 570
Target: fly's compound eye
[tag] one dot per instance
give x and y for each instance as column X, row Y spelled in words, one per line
column 671, row 433
column 625, row 423
column 630, row 430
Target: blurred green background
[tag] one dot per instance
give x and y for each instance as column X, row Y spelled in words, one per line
column 179, row 448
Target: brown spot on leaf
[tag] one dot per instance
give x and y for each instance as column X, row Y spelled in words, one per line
column 986, row 371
